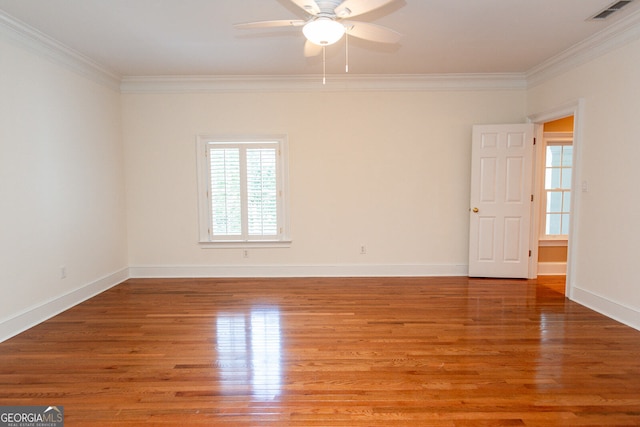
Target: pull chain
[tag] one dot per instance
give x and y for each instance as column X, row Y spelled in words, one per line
column 324, row 66
column 346, row 43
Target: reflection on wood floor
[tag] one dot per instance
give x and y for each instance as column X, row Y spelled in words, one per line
column 321, row 352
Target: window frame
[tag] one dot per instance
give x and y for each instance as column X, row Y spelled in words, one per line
column 206, row 239
column 552, row 138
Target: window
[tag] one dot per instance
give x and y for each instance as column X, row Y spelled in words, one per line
column 243, row 186
column 557, row 188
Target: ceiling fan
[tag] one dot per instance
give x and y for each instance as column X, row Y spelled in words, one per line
column 328, row 22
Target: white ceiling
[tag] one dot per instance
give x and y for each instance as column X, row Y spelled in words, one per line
column 197, row 37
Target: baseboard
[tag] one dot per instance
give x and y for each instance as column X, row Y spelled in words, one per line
column 37, row 314
column 552, row 268
column 615, row 310
column 417, row 270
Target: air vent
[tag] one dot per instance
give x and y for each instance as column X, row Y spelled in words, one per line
column 609, row 10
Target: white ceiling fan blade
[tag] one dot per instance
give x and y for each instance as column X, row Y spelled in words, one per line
column 311, row 49
column 372, row 32
column 270, row 24
column 309, row 6
column 350, row 8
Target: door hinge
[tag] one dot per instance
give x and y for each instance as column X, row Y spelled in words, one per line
column 529, row 252
column 534, row 141
column 532, row 197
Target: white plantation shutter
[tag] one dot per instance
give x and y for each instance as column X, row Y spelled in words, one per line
column 244, row 197
column 226, row 197
column 262, row 206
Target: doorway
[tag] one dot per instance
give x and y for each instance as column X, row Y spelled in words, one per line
column 554, row 167
column 563, row 123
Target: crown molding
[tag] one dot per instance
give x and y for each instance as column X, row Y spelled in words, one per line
column 334, row 83
column 614, row 36
column 55, row 51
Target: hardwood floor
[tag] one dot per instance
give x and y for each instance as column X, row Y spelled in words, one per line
column 329, row 352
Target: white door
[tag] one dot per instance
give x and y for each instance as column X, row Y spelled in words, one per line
column 501, row 193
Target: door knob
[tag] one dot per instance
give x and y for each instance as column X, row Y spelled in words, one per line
column 475, row 210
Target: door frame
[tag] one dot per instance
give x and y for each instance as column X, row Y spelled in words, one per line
column 575, row 109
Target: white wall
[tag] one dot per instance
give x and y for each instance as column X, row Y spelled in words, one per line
column 608, row 217
column 61, row 188
column 389, row 170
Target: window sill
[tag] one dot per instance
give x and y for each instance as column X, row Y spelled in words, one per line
column 553, row 242
column 245, row 244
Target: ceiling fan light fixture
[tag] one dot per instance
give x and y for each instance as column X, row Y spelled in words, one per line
column 323, row 31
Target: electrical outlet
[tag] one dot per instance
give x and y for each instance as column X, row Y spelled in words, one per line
column 363, row 250
column 63, row 272
column 245, row 253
